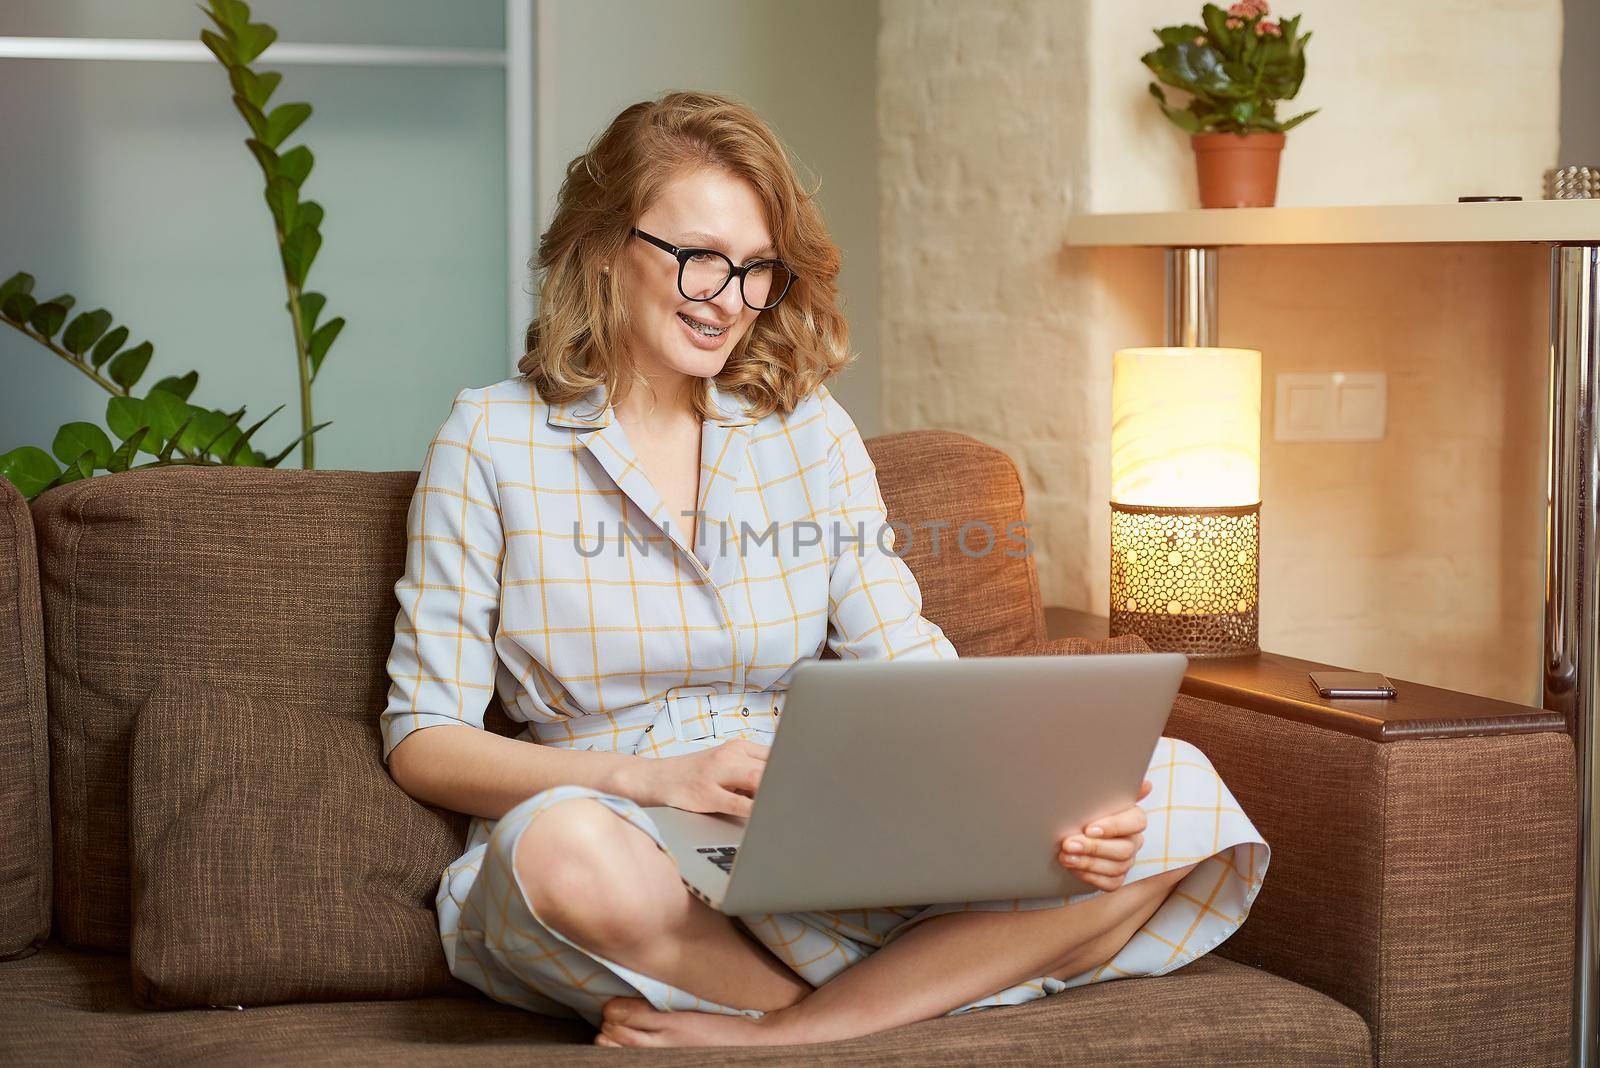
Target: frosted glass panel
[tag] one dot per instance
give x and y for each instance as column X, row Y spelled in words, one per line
column 128, row 185
column 432, row 23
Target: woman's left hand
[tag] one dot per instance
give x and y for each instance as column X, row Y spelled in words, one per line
column 1105, row 851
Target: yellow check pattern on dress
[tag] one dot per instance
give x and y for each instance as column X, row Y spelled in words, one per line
column 542, row 563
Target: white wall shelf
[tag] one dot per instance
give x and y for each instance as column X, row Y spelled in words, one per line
column 1550, row 221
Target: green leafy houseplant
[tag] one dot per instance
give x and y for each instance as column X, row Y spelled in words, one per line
column 1235, row 69
column 164, row 423
column 297, row 223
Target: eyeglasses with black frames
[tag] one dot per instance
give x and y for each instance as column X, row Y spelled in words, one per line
column 703, row 273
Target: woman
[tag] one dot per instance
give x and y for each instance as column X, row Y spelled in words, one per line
column 593, row 539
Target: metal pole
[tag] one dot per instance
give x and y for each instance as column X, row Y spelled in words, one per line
column 1191, row 296
column 522, row 202
column 1572, row 586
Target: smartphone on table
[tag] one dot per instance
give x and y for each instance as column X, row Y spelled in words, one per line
column 1342, row 684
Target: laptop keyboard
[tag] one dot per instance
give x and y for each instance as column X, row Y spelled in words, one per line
column 721, row 856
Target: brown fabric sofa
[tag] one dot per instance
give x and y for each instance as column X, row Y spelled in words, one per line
column 1418, row 908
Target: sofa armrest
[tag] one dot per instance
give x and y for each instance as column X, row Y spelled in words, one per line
column 1427, row 883
column 1424, row 851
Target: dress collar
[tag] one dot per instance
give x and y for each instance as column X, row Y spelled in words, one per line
column 591, row 412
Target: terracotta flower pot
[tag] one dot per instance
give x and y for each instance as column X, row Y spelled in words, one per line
column 1237, row 170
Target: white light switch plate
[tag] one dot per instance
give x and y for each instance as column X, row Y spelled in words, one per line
column 1331, row 406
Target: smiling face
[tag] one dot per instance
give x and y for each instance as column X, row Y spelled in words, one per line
column 703, row 208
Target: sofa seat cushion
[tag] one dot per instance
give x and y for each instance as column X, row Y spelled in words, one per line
column 274, row 859
column 72, row 1007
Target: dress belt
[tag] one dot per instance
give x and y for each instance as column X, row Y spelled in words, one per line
column 685, row 716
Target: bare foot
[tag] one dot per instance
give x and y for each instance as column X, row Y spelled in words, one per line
column 635, row 1022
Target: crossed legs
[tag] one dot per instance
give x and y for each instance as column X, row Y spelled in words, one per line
column 604, row 884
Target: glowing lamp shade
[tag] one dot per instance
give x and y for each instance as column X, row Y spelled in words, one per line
column 1186, row 498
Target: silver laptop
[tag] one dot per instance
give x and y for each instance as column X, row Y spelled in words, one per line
column 926, row 781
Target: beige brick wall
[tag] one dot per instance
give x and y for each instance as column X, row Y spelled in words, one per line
column 982, row 131
column 1419, row 555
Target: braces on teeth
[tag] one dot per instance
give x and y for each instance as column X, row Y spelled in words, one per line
column 701, row 328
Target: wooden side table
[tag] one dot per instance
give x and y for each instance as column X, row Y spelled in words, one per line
column 1277, row 685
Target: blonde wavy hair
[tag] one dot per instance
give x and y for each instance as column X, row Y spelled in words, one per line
column 579, row 338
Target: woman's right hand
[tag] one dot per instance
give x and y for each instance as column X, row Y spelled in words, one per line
column 721, row 780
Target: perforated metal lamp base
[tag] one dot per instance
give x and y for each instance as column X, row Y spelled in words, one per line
column 1185, row 579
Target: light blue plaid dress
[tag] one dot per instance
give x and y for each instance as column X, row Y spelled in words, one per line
column 541, row 562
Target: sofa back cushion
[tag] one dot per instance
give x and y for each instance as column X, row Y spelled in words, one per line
column 273, row 584
column 279, row 585
column 956, row 505
column 273, row 858
column 24, row 749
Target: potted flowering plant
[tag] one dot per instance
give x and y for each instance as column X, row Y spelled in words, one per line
column 1235, row 68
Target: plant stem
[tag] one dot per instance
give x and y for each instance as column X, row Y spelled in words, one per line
column 104, row 383
column 303, row 360
column 308, row 455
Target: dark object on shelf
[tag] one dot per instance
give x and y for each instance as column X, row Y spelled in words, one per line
column 1483, row 200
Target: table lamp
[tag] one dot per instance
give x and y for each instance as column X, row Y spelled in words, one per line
column 1186, row 498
